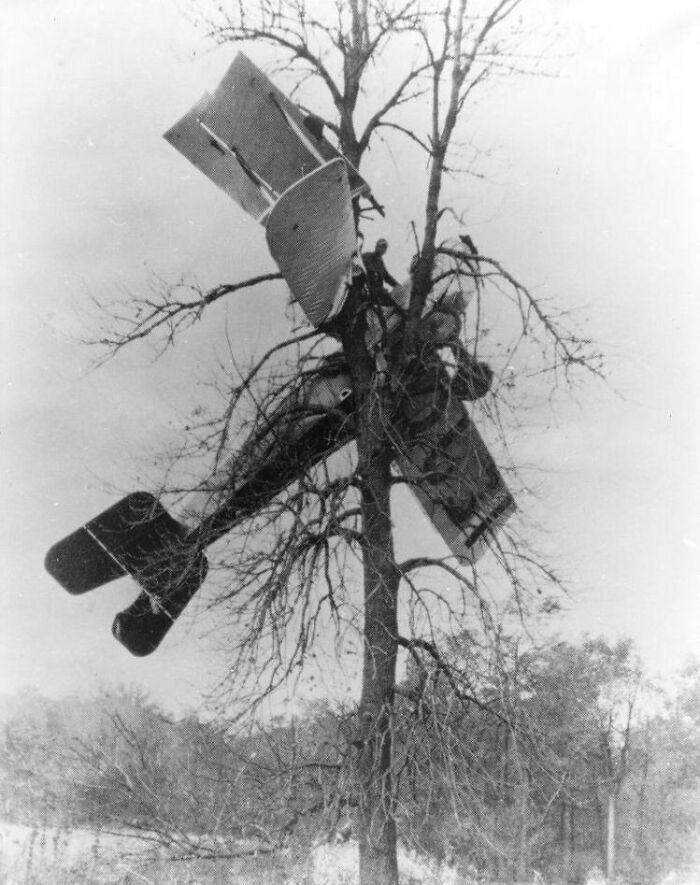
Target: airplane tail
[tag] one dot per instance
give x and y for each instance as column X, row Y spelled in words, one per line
column 137, row 537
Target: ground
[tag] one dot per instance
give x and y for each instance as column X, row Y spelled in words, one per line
column 59, row 856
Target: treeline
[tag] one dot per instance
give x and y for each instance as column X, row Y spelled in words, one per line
column 509, row 761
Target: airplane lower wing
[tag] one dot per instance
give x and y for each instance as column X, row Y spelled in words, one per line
column 449, row 468
column 311, row 235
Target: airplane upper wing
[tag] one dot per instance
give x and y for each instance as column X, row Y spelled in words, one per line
column 252, row 141
column 217, row 161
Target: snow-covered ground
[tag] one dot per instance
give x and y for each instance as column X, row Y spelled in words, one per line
column 337, row 865
column 79, row 855
column 34, row 853
column 54, row 855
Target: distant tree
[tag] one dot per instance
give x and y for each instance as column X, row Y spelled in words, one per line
column 519, row 749
column 36, row 771
column 662, row 792
column 498, row 767
column 616, row 717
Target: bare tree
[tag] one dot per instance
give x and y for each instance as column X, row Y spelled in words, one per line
column 616, row 714
column 288, row 566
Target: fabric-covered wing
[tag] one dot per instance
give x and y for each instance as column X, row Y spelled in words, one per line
column 451, row 472
column 217, row 161
column 250, row 112
column 122, row 540
column 245, row 113
column 311, row 235
column 252, row 141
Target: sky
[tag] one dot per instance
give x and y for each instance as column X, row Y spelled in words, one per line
column 591, row 196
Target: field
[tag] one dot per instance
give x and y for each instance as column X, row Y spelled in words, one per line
column 54, row 856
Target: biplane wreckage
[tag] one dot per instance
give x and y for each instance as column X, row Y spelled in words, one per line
column 273, row 160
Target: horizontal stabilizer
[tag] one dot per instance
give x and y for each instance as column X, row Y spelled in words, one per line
column 120, row 541
column 137, row 537
column 167, row 590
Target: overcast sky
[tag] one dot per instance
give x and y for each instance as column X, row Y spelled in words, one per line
column 592, row 199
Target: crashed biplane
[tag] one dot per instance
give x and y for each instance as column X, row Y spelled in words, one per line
column 272, row 158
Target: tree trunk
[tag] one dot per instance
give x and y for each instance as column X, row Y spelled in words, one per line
column 610, row 845
column 377, row 825
column 641, row 828
column 601, row 825
column 523, row 860
column 566, row 840
column 502, row 866
column 376, row 807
